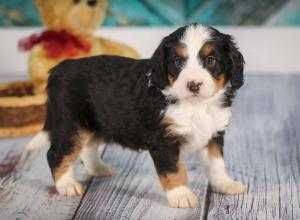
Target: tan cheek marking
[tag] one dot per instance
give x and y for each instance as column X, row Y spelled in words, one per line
column 214, row 150
column 172, row 180
column 220, row 82
column 171, row 80
column 206, row 50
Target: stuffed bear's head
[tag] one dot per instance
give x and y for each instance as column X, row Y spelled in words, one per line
column 79, row 17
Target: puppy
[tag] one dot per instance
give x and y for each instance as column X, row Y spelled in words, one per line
column 179, row 99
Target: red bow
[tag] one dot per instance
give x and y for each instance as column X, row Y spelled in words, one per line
column 56, row 43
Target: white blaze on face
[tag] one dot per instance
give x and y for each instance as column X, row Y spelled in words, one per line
column 193, row 39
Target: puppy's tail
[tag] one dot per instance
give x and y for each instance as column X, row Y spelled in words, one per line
column 40, row 140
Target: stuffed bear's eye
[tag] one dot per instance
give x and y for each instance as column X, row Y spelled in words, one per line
column 92, row 2
column 178, row 62
column 210, row 61
column 76, row 1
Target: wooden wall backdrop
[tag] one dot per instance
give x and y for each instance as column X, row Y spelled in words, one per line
column 172, row 12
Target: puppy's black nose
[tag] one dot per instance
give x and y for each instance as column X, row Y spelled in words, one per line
column 193, row 86
column 92, row 2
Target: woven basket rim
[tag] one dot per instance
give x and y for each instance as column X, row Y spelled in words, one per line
column 21, row 101
column 21, row 131
column 16, row 84
column 14, row 101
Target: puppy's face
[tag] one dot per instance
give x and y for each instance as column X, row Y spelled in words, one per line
column 198, row 61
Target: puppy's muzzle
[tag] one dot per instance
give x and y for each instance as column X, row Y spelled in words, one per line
column 193, row 86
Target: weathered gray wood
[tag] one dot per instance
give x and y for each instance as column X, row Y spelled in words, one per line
column 27, row 192
column 135, row 193
column 26, row 187
column 10, row 154
column 262, row 146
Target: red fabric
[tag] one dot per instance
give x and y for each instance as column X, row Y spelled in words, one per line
column 56, row 44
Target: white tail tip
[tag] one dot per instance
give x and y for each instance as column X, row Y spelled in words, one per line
column 38, row 141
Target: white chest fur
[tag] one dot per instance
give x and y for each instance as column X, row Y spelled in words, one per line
column 198, row 120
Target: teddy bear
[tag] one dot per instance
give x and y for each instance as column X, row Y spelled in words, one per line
column 70, row 25
column 69, row 34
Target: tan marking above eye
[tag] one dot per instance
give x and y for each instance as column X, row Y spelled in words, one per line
column 206, row 50
column 181, row 51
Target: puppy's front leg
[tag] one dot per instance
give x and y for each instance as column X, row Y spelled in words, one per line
column 173, row 177
column 212, row 160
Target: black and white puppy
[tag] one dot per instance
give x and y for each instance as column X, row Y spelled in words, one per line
column 178, row 99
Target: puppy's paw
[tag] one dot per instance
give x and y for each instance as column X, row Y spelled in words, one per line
column 231, row 188
column 182, row 197
column 102, row 170
column 71, row 188
column 235, row 188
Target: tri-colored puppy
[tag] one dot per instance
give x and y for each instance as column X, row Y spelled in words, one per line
column 178, row 99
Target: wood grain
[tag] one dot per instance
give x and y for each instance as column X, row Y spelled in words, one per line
column 10, row 154
column 135, row 192
column 27, row 192
column 262, row 149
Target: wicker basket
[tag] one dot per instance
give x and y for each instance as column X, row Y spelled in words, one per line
column 21, row 112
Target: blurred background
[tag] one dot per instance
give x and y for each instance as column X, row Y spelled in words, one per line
column 264, row 29
column 172, row 12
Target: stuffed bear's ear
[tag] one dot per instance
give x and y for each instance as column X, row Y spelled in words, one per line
column 39, row 2
column 237, row 65
column 159, row 66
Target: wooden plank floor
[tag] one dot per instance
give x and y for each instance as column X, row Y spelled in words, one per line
column 262, row 149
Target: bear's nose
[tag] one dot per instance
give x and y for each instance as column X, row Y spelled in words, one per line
column 193, row 86
column 92, row 2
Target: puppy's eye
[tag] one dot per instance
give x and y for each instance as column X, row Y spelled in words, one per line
column 76, row 1
column 178, row 62
column 210, row 61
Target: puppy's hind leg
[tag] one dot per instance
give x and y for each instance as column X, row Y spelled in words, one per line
column 90, row 157
column 61, row 161
column 94, row 165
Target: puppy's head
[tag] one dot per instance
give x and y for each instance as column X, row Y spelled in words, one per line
column 197, row 61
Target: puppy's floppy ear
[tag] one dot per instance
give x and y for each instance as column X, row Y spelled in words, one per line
column 237, row 64
column 158, row 60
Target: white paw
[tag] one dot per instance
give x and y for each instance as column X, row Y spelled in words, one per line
column 182, row 197
column 102, row 170
column 231, row 188
column 71, row 188
column 235, row 188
